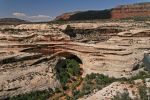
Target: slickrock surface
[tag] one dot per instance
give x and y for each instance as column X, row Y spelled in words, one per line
column 110, row 91
column 29, row 52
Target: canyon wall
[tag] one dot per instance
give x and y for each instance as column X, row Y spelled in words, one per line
column 85, row 15
column 123, row 11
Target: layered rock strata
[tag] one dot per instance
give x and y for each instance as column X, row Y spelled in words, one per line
column 28, row 54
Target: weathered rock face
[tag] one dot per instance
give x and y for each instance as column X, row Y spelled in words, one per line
column 65, row 16
column 86, row 15
column 25, row 72
column 91, row 35
column 124, row 11
column 29, row 52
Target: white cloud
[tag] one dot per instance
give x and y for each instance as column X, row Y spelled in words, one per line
column 35, row 18
column 17, row 14
column 40, row 16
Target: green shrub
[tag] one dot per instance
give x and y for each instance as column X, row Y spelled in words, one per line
column 39, row 95
column 94, row 81
column 70, row 69
column 123, row 96
column 140, row 75
column 76, row 94
column 73, row 67
column 143, row 93
column 57, row 90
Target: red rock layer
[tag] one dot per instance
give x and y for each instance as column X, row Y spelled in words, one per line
column 131, row 11
column 124, row 11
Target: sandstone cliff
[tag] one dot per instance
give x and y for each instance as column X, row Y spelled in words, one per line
column 66, row 16
column 85, row 15
column 123, row 11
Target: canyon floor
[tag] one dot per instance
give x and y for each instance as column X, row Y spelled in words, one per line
column 30, row 52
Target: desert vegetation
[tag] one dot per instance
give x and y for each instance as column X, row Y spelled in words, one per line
column 69, row 70
column 74, row 86
column 143, row 94
column 38, row 95
column 122, row 96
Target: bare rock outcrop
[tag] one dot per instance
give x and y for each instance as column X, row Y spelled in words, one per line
column 29, row 53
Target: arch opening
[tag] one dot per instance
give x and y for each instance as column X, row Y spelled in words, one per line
column 68, row 55
column 68, row 67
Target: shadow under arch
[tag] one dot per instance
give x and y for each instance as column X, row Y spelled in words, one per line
column 70, row 55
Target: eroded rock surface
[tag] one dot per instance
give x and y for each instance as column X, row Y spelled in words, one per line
column 29, row 53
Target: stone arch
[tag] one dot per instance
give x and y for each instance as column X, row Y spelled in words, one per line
column 70, row 55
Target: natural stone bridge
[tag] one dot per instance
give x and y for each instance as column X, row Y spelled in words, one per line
column 104, row 57
column 27, row 59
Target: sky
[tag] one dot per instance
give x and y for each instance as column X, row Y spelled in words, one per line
column 45, row 10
